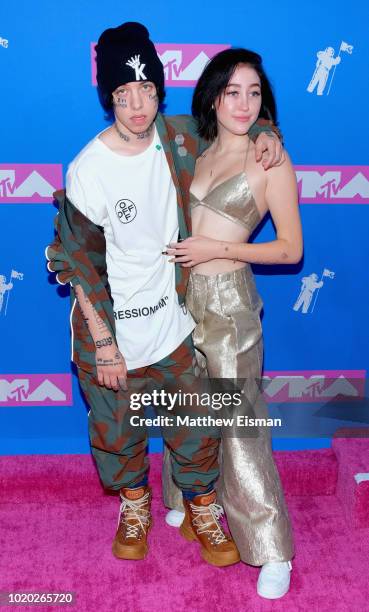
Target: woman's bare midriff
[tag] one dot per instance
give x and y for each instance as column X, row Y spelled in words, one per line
column 210, row 224
column 217, row 266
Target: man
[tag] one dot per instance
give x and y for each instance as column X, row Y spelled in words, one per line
column 127, row 196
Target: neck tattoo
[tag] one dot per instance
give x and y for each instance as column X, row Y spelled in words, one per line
column 146, row 133
column 121, row 134
column 140, row 136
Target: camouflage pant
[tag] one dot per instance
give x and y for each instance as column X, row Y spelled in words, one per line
column 120, row 448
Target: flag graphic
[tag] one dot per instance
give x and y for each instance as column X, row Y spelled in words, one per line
column 346, row 47
column 17, row 275
column 328, row 273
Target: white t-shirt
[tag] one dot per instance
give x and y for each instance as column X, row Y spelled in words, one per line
column 134, row 199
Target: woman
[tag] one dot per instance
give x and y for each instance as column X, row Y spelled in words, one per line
column 230, row 195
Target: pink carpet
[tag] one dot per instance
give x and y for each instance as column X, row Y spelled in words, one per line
column 57, row 525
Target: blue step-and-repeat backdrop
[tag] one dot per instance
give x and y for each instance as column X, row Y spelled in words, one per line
column 315, row 314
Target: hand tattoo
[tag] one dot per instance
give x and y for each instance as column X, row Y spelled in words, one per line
column 117, row 361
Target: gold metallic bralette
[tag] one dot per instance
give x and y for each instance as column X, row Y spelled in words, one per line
column 233, row 200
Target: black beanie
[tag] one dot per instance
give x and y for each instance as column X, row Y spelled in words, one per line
column 125, row 54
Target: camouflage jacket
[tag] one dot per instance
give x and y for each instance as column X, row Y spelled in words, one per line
column 78, row 252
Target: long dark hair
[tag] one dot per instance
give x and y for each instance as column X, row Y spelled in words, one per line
column 214, row 80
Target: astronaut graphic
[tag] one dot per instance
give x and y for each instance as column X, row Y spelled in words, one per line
column 310, row 284
column 325, row 63
column 5, row 288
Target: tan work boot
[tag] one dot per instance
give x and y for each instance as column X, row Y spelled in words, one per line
column 201, row 523
column 134, row 522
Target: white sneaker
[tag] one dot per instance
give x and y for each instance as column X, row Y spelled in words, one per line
column 174, row 518
column 274, row 579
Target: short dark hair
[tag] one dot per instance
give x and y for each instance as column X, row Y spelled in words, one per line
column 214, row 80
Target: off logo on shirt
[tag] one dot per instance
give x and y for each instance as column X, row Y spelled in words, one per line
column 126, row 211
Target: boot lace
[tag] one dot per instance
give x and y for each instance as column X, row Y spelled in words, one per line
column 137, row 511
column 206, row 520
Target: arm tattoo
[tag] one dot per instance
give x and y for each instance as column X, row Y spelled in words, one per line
column 99, row 322
column 104, row 342
column 84, row 314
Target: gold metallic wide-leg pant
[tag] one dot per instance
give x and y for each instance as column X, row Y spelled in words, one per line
column 229, row 345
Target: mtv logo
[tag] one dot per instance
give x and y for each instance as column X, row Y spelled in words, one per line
column 313, row 386
column 36, row 390
column 29, row 183
column 333, row 184
column 183, row 63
